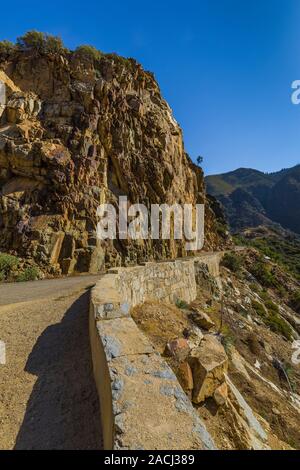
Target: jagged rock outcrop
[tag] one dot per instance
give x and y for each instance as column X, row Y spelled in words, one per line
column 75, row 134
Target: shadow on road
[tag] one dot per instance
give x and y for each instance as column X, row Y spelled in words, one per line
column 63, row 409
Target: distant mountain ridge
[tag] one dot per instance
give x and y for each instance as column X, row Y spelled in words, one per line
column 252, row 198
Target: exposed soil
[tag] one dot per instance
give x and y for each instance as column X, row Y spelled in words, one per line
column 160, row 322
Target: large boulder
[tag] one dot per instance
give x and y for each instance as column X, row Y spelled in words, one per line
column 209, row 364
column 201, row 319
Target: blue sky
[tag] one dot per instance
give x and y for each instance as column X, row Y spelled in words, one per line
column 224, row 66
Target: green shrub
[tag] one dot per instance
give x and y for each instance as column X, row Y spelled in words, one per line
column 259, row 308
column 41, row 42
column 88, row 52
column 118, row 59
column 54, row 45
column 255, row 287
column 291, row 375
column 271, row 306
column 295, row 301
column 7, row 263
column 181, row 304
column 32, row 40
column 6, row 48
column 228, row 339
column 281, row 291
column 29, row 274
column 232, row 262
column 239, row 240
column 221, row 229
column 261, row 272
column 278, row 325
column 285, row 252
column 2, row 277
column 270, row 315
column 264, row 295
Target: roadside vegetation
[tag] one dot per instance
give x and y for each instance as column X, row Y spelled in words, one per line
column 232, row 261
column 12, row 269
column 284, row 251
column 269, row 313
column 266, row 278
column 29, row 274
column 294, row 301
column 7, row 265
column 262, row 273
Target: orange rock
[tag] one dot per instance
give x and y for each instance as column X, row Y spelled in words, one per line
column 221, row 394
column 185, row 377
column 178, row 348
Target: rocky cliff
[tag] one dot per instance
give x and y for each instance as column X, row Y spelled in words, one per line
column 76, row 132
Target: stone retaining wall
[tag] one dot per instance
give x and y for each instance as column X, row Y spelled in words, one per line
column 142, row 404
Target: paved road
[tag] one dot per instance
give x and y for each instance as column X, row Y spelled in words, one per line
column 28, row 291
column 48, row 398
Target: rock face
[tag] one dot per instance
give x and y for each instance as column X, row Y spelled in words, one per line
column 75, row 134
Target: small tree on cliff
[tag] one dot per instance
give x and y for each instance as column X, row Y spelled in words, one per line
column 41, row 42
column 32, row 40
column 88, row 52
column 199, row 160
column 54, row 45
column 6, row 48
